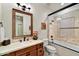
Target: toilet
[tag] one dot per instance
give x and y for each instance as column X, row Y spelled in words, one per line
column 49, row 49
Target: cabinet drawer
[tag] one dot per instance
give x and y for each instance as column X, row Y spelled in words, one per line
column 40, row 45
column 40, row 52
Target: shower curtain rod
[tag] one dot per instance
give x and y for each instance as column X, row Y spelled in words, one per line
column 72, row 4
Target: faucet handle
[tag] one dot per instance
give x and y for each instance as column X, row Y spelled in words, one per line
column 27, row 39
column 24, row 38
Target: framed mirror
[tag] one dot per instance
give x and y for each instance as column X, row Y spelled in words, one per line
column 22, row 23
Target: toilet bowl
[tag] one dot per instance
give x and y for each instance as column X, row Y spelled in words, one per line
column 51, row 50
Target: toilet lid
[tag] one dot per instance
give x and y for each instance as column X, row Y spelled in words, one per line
column 50, row 47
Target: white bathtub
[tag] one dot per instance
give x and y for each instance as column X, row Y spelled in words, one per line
column 66, row 49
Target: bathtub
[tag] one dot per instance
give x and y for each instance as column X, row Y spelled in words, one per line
column 66, row 48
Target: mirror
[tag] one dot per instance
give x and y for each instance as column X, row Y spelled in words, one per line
column 22, row 23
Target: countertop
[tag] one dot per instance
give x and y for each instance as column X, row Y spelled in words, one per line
column 17, row 46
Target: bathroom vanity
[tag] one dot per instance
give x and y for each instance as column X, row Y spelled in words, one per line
column 30, row 48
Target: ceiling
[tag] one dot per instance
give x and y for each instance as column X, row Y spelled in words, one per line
column 51, row 7
column 55, row 6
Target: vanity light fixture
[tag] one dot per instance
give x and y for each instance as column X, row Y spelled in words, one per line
column 18, row 4
column 24, row 7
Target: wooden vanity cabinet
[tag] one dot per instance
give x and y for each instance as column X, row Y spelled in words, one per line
column 35, row 50
column 23, row 51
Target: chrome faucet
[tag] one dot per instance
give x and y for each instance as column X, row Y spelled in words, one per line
column 24, row 38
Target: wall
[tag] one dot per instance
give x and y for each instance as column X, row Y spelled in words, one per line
column 53, row 28
column 75, row 15
column 39, row 14
column 0, row 12
column 71, row 35
column 7, row 17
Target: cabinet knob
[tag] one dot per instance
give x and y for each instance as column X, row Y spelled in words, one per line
column 40, row 45
column 40, row 50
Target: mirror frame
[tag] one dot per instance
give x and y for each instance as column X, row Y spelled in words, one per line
column 14, row 23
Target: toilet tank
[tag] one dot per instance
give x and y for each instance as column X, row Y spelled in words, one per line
column 45, row 42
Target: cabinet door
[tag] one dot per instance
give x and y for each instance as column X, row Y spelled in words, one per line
column 33, row 50
column 40, row 52
column 33, row 53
